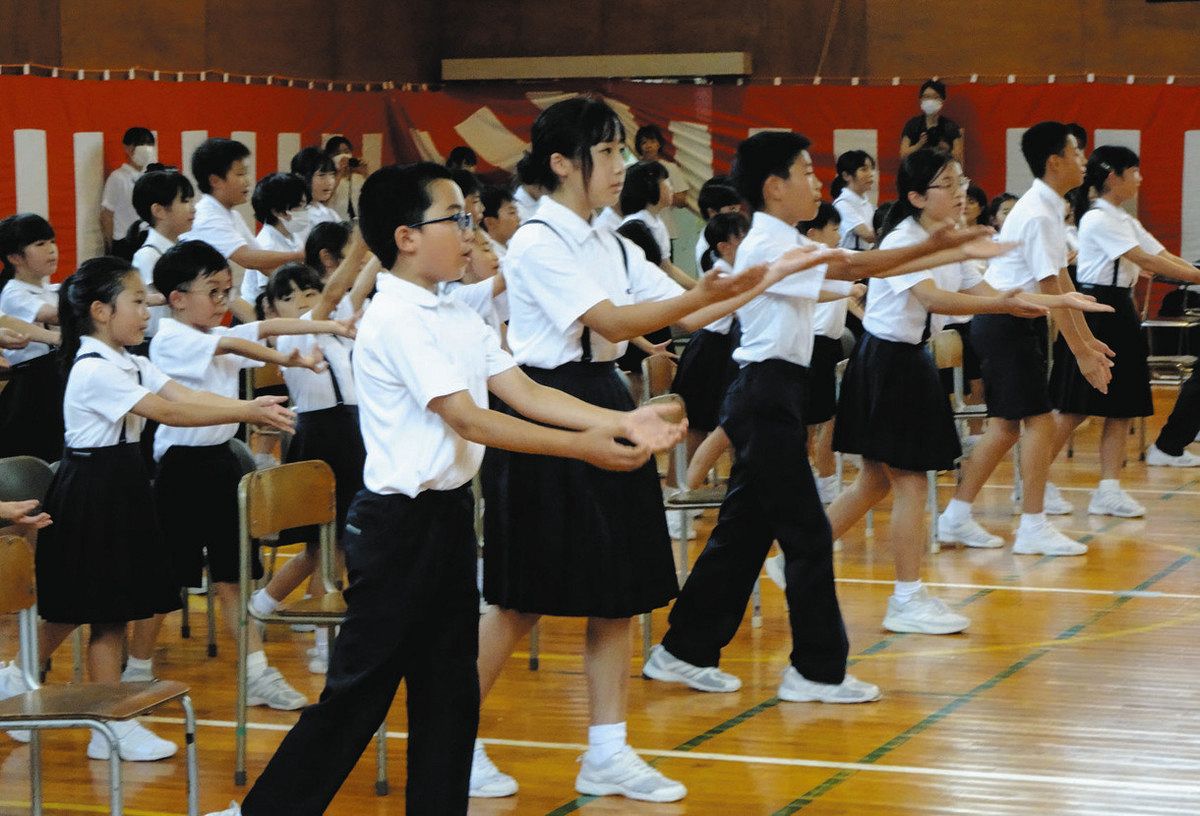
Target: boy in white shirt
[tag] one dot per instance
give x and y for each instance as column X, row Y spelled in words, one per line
column 117, row 213
column 423, row 366
column 500, row 218
column 280, row 202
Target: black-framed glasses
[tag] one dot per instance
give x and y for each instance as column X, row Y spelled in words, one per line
column 465, row 221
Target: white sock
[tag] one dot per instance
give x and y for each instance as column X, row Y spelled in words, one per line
column 1110, row 484
column 262, row 603
column 139, row 665
column 605, row 742
column 1031, row 521
column 321, row 636
column 907, row 590
column 958, row 511
column 256, row 664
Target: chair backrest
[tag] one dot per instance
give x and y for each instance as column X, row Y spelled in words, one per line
column 267, row 376
column 658, row 373
column 23, row 477
column 947, row 349
column 299, row 494
column 17, row 588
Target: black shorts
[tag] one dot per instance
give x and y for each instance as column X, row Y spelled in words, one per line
column 1013, row 360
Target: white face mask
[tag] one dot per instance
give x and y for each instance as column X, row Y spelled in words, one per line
column 144, row 154
column 298, row 221
column 931, row 106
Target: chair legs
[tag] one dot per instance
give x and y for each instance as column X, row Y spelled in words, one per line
column 756, row 618
column 381, row 760
column 185, row 619
column 934, row 547
column 534, row 638
column 77, row 654
column 210, row 611
column 193, row 765
column 35, row 773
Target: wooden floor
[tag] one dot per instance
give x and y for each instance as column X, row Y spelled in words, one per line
column 1074, row 691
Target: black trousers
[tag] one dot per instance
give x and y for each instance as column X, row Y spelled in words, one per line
column 1184, row 422
column 412, row 615
column 772, row 496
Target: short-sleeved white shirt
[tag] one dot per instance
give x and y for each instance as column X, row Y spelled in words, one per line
column 317, row 214
column 144, row 260
column 312, row 390
column 500, row 249
column 189, row 356
column 829, row 318
column 855, row 211
column 893, row 312
column 557, row 273
column 272, row 239
column 118, row 198
column 721, row 325
column 1036, row 222
column 1106, row 233
column 778, row 324
column 701, row 246
column 100, row 393
column 607, row 219
column 412, row 347
column 222, row 228
column 526, row 204
column 23, row 301
column 657, row 227
column 479, row 298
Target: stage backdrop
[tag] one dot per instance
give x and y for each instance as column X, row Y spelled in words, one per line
column 60, row 137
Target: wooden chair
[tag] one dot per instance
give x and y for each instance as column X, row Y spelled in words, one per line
column 300, row 494
column 79, row 705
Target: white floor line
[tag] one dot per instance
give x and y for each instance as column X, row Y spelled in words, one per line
column 1160, row 491
column 1130, row 593
column 1128, row 784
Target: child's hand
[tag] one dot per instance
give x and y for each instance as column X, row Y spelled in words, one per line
column 985, row 248
column 347, row 327
column 313, row 362
column 18, row 512
column 1015, row 304
column 598, row 447
column 270, row 411
column 1083, row 303
column 717, row 287
column 662, row 349
column 858, row 291
column 950, row 237
column 654, row 426
column 10, row 339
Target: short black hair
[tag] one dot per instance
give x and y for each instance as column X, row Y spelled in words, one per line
column 1040, row 142
column 391, row 197
column 160, row 187
column 16, row 233
column 976, row 194
column 335, row 142
column 184, row 263
column 826, row 214
column 714, row 197
column 331, row 236
column 214, row 157
column 466, row 181
column 641, row 188
column 766, row 154
column 493, row 199
column 721, row 227
column 640, row 234
column 293, row 273
column 933, row 84
column 460, row 156
column 648, row 132
column 277, row 192
column 310, row 161
column 1080, row 133
column 136, row 136
column 571, row 128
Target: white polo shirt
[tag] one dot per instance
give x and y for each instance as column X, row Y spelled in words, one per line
column 1036, row 222
column 23, row 301
column 118, row 198
column 144, row 260
column 312, row 390
column 893, row 311
column 555, row 275
column 100, row 393
column 855, row 211
column 412, row 347
column 189, row 356
column 778, row 324
column 1106, row 233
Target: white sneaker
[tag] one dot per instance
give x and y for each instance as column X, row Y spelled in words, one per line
column 1046, row 540
column 1053, row 502
column 318, row 660
column 233, row 810
column 969, row 533
column 487, row 781
column 1115, row 503
column 796, row 689
column 628, row 775
column 1156, row 457
column 774, row 567
column 132, row 675
column 828, row 488
column 12, row 683
column 135, row 743
column 271, row 690
column 923, row 614
column 664, row 666
column 675, row 526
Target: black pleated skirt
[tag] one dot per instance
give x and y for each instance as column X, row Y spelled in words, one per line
column 821, row 396
column 893, row 409
column 569, row 539
column 103, row 560
column 31, row 410
column 332, row 436
column 1129, row 391
column 706, row 368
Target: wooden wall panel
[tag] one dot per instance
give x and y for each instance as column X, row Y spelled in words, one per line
column 281, row 37
column 29, row 32
column 133, row 33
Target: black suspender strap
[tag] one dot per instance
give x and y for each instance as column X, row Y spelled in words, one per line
column 1116, row 268
column 96, row 355
column 925, row 335
column 337, row 391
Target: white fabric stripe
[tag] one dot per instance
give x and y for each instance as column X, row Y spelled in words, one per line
column 423, row 141
column 752, row 131
column 30, row 167
column 1018, row 177
column 189, row 140
column 250, row 140
column 845, row 139
column 286, row 146
column 693, row 153
column 1125, row 138
column 89, row 189
column 372, row 150
column 1189, row 216
column 486, row 135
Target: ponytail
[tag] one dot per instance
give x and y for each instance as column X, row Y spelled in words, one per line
column 99, row 279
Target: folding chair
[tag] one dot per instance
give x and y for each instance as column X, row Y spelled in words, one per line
column 78, row 705
column 300, row 494
column 1170, row 370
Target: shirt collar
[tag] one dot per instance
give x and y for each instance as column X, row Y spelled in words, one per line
column 1046, row 193
column 1110, row 208
column 774, row 228
column 121, row 359
column 565, row 221
column 157, row 240
column 391, row 286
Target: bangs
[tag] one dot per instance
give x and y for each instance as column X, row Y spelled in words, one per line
column 30, row 228
column 600, row 123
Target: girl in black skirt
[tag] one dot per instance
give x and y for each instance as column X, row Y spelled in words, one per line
column 1112, row 246
column 565, row 538
column 103, row 562
column 892, row 409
